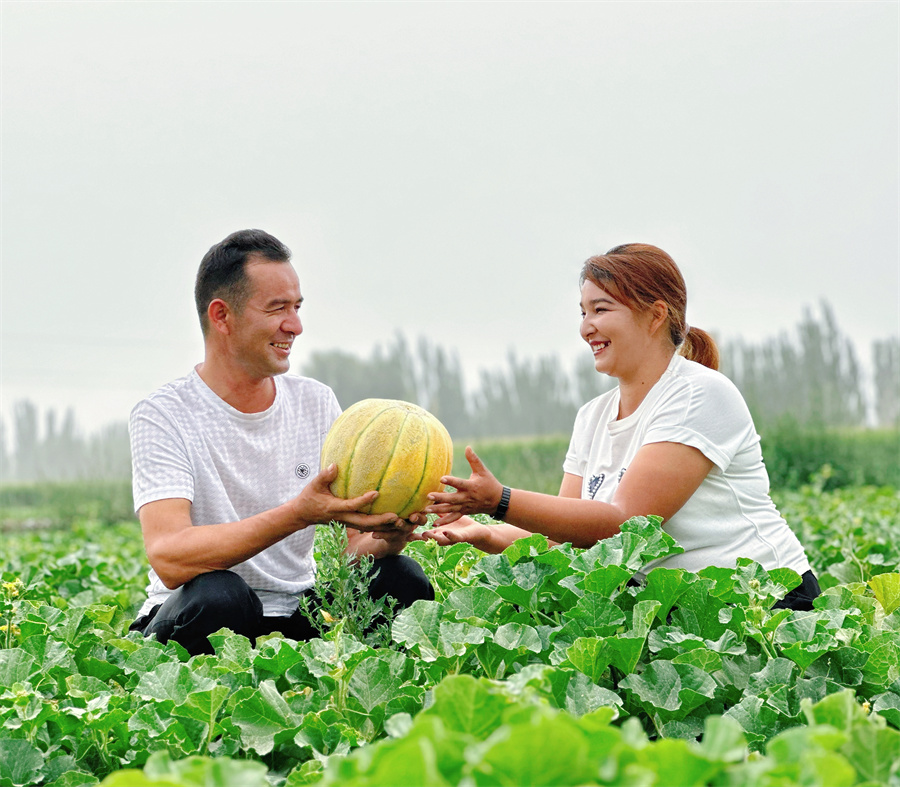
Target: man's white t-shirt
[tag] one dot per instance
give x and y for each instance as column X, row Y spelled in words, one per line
column 188, row 443
column 731, row 514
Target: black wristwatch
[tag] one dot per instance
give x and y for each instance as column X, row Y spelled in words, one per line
column 503, row 505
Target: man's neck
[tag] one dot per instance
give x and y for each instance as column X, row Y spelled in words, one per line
column 243, row 393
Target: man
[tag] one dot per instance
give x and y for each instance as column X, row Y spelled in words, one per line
column 226, row 473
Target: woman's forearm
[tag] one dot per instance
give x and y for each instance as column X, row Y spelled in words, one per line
column 581, row 522
column 501, row 535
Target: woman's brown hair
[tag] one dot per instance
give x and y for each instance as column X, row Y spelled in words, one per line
column 638, row 275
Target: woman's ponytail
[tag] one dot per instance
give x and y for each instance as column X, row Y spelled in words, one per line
column 699, row 346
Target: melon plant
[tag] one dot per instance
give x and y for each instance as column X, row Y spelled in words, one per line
column 685, row 679
column 395, row 447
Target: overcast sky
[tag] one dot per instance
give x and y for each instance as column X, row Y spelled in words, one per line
column 439, row 169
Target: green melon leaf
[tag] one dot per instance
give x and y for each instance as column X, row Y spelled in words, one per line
column 20, row 762
column 474, row 602
column 887, row 590
column 468, row 705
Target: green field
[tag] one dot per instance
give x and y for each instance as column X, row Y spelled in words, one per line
column 537, row 666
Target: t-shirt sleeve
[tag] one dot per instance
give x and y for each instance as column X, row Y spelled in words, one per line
column 709, row 415
column 576, row 459
column 160, row 465
column 572, row 464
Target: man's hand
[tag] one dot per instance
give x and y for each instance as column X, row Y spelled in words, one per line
column 178, row 551
column 317, row 505
column 382, row 543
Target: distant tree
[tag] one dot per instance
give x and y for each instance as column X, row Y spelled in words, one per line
column 27, row 443
column 544, row 394
column 587, row 382
column 830, row 372
column 6, row 465
column 108, row 453
column 886, row 360
column 392, row 372
column 344, row 372
column 388, row 374
column 494, row 405
column 524, row 398
column 60, row 453
column 814, row 378
column 70, row 448
column 441, row 387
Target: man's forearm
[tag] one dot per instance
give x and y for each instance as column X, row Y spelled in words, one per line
column 179, row 555
column 179, row 551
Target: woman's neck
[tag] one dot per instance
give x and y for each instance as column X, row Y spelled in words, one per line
column 634, row 389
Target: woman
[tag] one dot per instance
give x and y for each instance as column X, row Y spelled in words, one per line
column 674, row 439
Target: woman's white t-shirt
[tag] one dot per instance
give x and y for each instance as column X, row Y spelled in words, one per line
column 731, row 514
column 188, row 443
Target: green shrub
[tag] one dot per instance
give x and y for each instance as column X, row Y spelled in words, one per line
column 796, row 456
column 533, row 463
column 60, row 503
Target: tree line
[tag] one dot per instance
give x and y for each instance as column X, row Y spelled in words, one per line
column 812, row 377
column 58, row 450
column 815, row 378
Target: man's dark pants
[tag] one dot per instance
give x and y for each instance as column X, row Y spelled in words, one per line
column 222, row 599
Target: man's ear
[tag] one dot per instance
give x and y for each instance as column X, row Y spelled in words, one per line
column 218, row 312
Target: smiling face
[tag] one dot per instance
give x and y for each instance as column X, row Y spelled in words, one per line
column 263, row 330
column 620, row 338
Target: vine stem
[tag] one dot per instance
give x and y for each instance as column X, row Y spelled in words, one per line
column 547, row 619
column 209, row 733
column 766, row 645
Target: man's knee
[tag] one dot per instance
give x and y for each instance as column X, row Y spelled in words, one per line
column 221, row 590
column 401, row 578
column 202, row 606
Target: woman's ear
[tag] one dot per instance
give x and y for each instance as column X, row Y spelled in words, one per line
column 659, row 315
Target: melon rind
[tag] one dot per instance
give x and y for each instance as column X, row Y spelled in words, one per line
column 390, row 445
column 438, row 462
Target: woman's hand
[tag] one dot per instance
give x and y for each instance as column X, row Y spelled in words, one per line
column 466, row 530
column 479, row 494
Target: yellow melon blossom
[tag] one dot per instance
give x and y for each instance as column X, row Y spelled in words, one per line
column 13, row 588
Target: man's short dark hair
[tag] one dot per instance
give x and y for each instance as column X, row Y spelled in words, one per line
column 223, row 270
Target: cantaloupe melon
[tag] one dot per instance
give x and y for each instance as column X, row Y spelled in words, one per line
column 396, row 447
